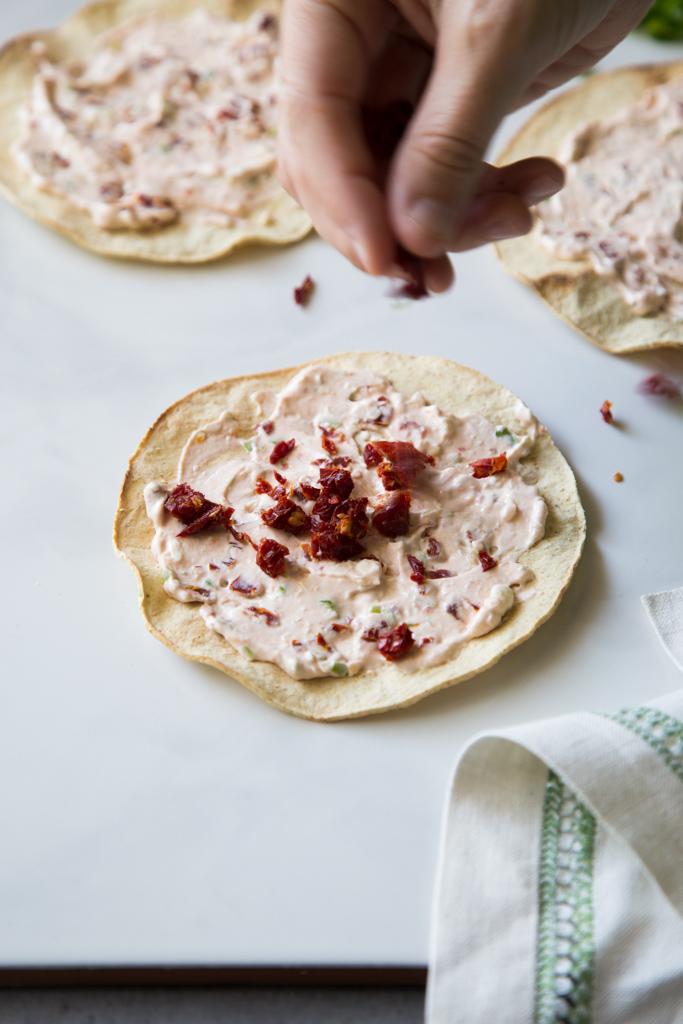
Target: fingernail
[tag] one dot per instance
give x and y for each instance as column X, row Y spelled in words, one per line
column 541, row 188
column 360, row 254
column 436, row 219
column 500, row 229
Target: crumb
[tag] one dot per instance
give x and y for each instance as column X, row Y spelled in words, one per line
column 618, row 477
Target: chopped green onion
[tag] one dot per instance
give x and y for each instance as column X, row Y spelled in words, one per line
column 248, row 445
column 249, row 653
column 376, row 609
column 339, row 669
column 503, row 432
column 283, row 589
column 165, row 575
column 330, row 604
column 210, row 584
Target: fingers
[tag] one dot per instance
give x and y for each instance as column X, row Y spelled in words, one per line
column 325, row 162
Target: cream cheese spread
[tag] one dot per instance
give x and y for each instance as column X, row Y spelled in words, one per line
column 622, row 203
column 448, row 575
column 168, row 119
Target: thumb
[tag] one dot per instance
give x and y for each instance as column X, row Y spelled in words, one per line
column 476, row 77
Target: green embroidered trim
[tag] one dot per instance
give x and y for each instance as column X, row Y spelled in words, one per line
column 661, row 732
column 566, row 949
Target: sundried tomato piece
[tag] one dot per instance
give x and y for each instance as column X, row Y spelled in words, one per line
column 370, row 635
column 263, row 487
column 386, row 411
column 186, row 504
column 242, row 537
column 606, row 412
column 438, row 574
column 335, row 482
column 486, row 561
column 334, row 547
column 213, row 517
column 280, row 478
column 392, row 517
column 350, row 518
column 322, row 642
column 267, row 427
column 398, row 462
column 287, row 516
column 242, row 586
column 270, row 557
column 302, row 294
column 453, row 610
column 328, row 444
column 488, row 467
column 270, row 617
column 396, row 643
column 278, row 492
column 198, row 590
column 281, row 450
column 433, row 547
column 339, row 627
column 660, row 385
column 305, row 492
column 419, row 573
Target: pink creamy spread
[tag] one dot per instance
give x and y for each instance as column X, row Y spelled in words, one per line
column 451, row 574
column 621, row 207
column 168, row 119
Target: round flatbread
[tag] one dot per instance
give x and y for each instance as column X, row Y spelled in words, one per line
column 584, row 299
column 182, row 242
column 455, row 389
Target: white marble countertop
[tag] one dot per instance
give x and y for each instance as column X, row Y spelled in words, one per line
column 154, row 812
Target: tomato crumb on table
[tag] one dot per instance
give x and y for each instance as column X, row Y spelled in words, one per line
column 606, row 412
column 618, row 478
column 302, row 294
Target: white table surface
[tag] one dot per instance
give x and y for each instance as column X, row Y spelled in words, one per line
column 153, row 811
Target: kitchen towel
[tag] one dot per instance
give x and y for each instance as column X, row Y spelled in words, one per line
column 559, row 894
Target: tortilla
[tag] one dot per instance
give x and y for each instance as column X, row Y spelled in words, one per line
column 181, row 242
column 586, row 300
column 455, row 389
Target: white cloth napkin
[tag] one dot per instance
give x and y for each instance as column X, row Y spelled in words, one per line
column 559, row 895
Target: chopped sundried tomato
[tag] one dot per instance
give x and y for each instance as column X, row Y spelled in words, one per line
column 386, row 411
column 328, row 444
column 426, row 640
column 413, row 273
column 486, row 561
column 396, row 643
column 420, row 574
column 339, row 627
column 335, row 547
column 243, row 538
column 305, row 492
column 322, row 642
column 281, row 450
column 278, row 492
column 263, row 487
column 384, row 128
column 198, row 590
column 280, row 478
column 240, row 585
column 660, row 385
column 433, row 547
column 187, row 505
column 308, row 554
column 287, row 516
column 267, row 427
column 488, row 467
column 606, row 412
column 453, row 610
column 392, row 517
column 398, row 462
column 270, row 557
column 371, row 635
column 350, row 518
column 336, row 485
column 212, row 566
column 271, row 619
column 302, row 294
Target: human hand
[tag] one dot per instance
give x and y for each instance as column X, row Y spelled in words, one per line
column 463, row 65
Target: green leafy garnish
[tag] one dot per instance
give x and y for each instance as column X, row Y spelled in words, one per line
column 330, row 604
column 249, row 653
column 504, row 432
column 376, row 609
column 664, row 20
column 248, row 446
column 339, row 669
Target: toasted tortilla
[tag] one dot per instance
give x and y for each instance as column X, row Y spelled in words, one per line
column 586, row 300
column 455, row 389
column 182, row 242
